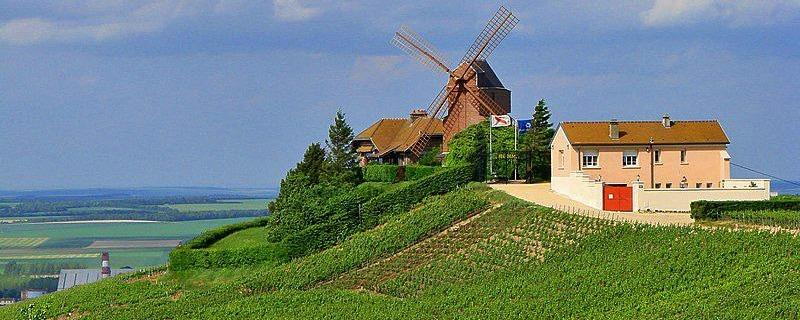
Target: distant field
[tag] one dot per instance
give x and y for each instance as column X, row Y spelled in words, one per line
column 248, row 204
column 21, row 242
column 68, row 242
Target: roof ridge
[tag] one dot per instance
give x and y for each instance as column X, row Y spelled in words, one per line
column 639, row 121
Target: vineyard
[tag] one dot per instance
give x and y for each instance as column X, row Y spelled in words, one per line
column 471, row 253
column 510, row 235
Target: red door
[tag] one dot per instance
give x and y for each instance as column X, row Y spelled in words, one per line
column 617, row 198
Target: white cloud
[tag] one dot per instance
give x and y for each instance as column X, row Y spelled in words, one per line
column 732, row 12
column 371, row 69
column 108, row 20
column 293, row 10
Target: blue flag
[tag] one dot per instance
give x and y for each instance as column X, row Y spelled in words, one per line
column 524, row 125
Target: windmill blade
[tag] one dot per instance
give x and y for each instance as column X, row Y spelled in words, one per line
column 498, row 27
column 484, row 102
column 437, row 106
column 420, row 49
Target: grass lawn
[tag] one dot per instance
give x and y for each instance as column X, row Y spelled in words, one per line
column 247, row 204
column 245, row 238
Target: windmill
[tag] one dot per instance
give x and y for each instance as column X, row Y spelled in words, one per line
column 461, row 102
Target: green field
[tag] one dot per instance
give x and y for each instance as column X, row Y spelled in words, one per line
column 473, row 253
column 242, row 239
column 247, row 204
column 66, row 241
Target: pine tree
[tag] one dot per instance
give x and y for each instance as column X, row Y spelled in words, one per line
column 537, row 141
column 341, row 161
column 306, row 173
column 313, row 163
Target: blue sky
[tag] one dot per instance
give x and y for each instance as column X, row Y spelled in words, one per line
column 110, row 93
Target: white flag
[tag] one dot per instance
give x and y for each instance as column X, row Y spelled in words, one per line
column 503, row 120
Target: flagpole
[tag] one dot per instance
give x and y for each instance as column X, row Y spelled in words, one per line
column 491, row 172
column 516, row 153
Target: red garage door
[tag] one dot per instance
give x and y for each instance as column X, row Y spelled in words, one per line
column 617, row 198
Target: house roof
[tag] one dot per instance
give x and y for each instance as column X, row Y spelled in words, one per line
column 640, row 132
column 69, row 278
column 486, row 76
column 398, row 135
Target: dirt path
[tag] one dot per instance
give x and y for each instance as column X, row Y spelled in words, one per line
column 541, row 194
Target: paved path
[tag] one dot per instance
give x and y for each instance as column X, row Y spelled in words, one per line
column 541, row 194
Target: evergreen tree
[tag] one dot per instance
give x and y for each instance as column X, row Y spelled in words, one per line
column 341, row 160
column 306, row 173
column 537, row 142
column 313, row 163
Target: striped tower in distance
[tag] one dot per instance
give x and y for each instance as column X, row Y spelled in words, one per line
column 105, row 271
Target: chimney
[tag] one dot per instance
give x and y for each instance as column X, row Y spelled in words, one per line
column 105, row 270
column 613, row 129
column 418, row 113
column 666, row 121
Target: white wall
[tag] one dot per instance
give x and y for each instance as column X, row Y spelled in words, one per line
column 681, row 199
column 579, row 187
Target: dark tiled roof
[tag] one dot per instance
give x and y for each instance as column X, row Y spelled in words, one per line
column 486, row 76
column 640, row 132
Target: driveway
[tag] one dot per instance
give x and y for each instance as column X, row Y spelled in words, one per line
column 541, row 194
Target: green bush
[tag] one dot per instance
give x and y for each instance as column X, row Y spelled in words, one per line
column 380, row 173
column 405, row 197
column 713, row 210
column 416, row 172
column 184, row 258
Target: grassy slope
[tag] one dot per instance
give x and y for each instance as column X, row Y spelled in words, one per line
column 615, row 271
column 240, row 239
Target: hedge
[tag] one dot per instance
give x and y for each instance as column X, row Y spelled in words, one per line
column 185, row 258
column 416, row 172
column 405, row 197
column 349, row 220
column 380, row 173
column 717, row 209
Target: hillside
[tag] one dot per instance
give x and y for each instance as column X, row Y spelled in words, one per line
column 470, row 253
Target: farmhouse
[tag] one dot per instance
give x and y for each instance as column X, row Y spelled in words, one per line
column 646, row 165
column 391, row 140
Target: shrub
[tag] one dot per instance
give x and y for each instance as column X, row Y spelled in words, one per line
column 380, row 173
column 416, row 172
column 404, row 197
column 719, row 209
column 185, row 258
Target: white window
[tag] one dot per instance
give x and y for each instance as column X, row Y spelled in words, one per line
column 657, row 156
column 630, row 158
column 683, row 156
column 590, row 159
column 561, row 159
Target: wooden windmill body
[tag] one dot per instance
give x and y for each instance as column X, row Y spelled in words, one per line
column 472, row 91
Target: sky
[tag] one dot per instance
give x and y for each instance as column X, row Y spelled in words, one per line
column 113, row 93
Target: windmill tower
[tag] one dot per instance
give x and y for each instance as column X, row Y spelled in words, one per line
column 472, row 91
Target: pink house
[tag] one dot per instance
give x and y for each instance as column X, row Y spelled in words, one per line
column 601, row 162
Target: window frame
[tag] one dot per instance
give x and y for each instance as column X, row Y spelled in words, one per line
column 561, row 158
column 626, row 155
column 684, row 156
column 658, row 185
column 590, row 153
column 668, row 185
column 657, row 156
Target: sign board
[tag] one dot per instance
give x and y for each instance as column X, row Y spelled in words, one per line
column 500, row 120
column 524, row 125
